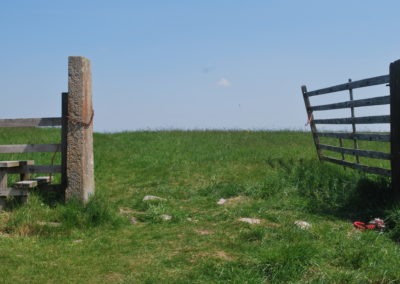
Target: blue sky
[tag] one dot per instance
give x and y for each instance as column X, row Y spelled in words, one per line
column 191, row 64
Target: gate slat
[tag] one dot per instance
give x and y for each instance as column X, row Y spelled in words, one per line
column 364, row 168
column 358, row 136
column 356, row 120
column 357, row 103
column 354, row 152
column 353, row 85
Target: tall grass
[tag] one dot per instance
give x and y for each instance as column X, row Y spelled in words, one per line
column 272, row 176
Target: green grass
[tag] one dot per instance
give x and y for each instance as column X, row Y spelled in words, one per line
column 272, row 176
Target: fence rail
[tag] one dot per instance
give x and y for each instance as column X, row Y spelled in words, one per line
column 36, row 169
column 393, row 118
column 31, row 122
column 30, row 148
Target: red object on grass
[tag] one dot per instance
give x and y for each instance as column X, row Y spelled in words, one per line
column 363, row 226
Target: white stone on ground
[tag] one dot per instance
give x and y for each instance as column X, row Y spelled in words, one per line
column 250, row 220
column 166, row 217
column 221, row 201
column 152, row 197
column 302, row 224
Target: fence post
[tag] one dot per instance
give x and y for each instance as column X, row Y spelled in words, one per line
column 395, row 126
column 80, row 164
column 64, row 137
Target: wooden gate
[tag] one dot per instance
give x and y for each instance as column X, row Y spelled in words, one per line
column 324, row 150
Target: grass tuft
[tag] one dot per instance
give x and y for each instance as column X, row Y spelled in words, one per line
column 36, row 218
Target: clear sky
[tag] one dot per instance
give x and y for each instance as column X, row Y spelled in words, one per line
column 204, row 64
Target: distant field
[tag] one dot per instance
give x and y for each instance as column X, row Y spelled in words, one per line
column 273, row 177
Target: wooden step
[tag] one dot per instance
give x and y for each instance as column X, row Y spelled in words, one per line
column 9, row 164
column 25, row 184
column 14, row 164
column 42, row 180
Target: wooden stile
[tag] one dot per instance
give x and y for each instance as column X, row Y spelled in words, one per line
column 26, row 168
column 76, row 123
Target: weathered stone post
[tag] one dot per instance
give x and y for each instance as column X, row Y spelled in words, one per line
column 79, row 154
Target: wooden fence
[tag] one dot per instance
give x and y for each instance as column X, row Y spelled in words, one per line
column 392, row 118
column 76, row 147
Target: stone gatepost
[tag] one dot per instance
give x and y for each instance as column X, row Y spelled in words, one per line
column 79, row 137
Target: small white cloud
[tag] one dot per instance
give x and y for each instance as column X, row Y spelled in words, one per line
column 224, row 83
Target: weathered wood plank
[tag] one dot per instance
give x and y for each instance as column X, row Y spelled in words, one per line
column 31, row 122
column 359, row 136
column 351, row 85
column 356, row 120
column 12, row 164
column 25, row 184
column 9, row 164
column 36, row 169
column 372, row 170
column 30, row 148
column 13, row 192
column 310, row 119
column 42, row 180
column 351, row 104
column 355, row 152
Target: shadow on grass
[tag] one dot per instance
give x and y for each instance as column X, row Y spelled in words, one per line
column 344, row 193
column 371, row 198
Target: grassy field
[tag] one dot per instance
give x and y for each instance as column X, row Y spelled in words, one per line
column 272, row 176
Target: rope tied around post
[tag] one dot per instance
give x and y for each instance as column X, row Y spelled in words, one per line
column 80, row 122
